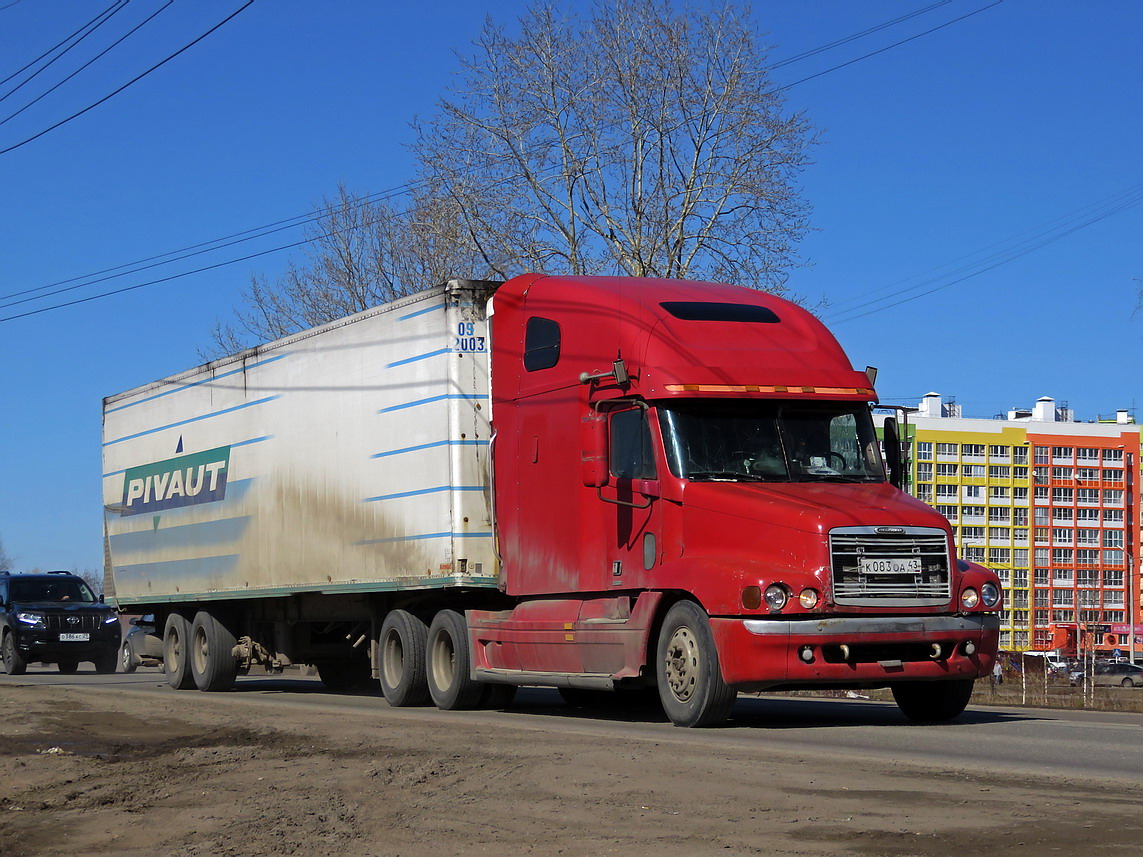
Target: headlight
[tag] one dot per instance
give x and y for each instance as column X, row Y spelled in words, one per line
column 776, row 596
column 990, row 595
column 969, row 598
column 110, row 620
column 808, row 598
column 33, row 619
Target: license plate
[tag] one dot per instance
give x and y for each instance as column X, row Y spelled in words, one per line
column 75, row 638
column 898, row 565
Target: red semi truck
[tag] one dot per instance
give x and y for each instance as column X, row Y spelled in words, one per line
column 590, row 483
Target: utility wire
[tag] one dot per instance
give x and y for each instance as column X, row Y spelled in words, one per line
column 884, row 49
column 133, row 80
column 58, row 45
column 107, row 17
column 114, row 44
column 302, row 219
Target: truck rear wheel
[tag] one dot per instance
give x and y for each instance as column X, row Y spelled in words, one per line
column 690, row 681
column 176, row 652
column 404, row 639
column 449, row 665
column 932, row 701
column 212, row 660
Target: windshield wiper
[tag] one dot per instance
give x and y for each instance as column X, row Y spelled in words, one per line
column 830, row 477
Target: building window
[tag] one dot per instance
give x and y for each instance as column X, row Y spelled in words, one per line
column 1113, row 497
column 950, row 512
column 975, row 450
column 1020, row 495
column 1062, row 495
column 1042, row 577
column 1088, row 577
column 1063, row 452
column 1020, row 455
column 1112, row 577
column 972, row 533
column 995, row 451
column 1020, row 557
column 1040, row 475
column 924, row 493
column 974, row 554
column 946, row 449
column 973, row 471
column 1041, row 493
column 947, row 491
column 1061, row 536
column 1086, row 454
column 1020, row 517
column 998, row 471
column 1112, row 455
column 925, row 449
column 1062, row 514
column 998, row 492
column 1087, row 474
column 924, row 472
column 974, row 512
column 1087, row 537
column 1019, row 472
column 1113, row 476
column 1062, row 473
column 1113, row 558
column 1113, row 538
column 1062, row 556
column 946, row 470
column 1041, row 456
column 999, row 556
column 1020, row 577
column 999, row 534
column 1087, row 556
column 1113, row 516
column 1087, row 495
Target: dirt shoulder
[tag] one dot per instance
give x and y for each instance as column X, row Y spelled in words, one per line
column 139, row 776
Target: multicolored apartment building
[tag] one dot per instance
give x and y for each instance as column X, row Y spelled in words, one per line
column 1052, row 505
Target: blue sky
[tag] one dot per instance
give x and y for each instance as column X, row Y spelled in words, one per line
column 942, row 161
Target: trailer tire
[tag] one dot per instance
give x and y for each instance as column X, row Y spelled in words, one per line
column 212, row 661
column 690, row 680
column 448, row 664
column 932, row 701
column 404, row 638
column 176, row 652
column 14, row 662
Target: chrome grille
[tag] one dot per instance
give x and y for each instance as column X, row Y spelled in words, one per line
column 59, row 621
column 929, row 584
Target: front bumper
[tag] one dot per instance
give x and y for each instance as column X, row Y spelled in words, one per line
column 853, row 651
column 46, row 646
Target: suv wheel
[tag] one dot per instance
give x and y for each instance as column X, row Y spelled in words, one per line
column 14, row 662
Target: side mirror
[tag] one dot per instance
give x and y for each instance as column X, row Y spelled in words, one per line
column 593, row 455
column 893, row 452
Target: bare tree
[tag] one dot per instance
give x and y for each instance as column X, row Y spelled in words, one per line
column 6, row 562
column 361, row 253
column 640, row 140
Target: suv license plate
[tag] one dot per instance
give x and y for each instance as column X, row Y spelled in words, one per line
column 75, row 638
column 898, row 565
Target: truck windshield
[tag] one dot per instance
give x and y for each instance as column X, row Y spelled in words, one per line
column 770, row 441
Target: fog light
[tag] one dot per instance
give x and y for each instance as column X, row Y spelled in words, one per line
column 808, row 598
column 969, row 598
column 776, row 596
column 807, row 654
column 990, row 595
column 969, row 647
column 752, row 597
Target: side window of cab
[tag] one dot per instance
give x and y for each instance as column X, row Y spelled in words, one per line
column 541, row 344
column 631, row 454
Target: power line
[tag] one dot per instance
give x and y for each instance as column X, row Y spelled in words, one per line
column 886, row 48
column 59, row 44
column 107, row 17
column 114, row 44
column 133, row 80
column 1041, row 237
column 302, row 219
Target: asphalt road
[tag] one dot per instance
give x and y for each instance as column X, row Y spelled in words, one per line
column 1053, row 744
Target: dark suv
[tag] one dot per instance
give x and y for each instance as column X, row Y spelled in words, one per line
column 55, row 618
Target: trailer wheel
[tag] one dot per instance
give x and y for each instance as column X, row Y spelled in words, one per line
column 448, row 664
column 212, row 660
column 932, row 701
column 404, row 638
column 14, row 662
column 690, row 681
column 176, row 652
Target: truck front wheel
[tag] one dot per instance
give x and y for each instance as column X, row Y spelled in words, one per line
column 176, row 652
column 403, row 641
column 449, row 665
column 932, row 701
column 212, row 660
column 690, row 681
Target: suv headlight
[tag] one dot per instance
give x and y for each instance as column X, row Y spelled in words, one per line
column 110, row 619
column 35, row 620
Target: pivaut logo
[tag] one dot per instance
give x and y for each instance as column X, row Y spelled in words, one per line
column 183, row 481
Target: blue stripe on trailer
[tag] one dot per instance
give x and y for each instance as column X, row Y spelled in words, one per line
column 192, row 420
column 422, row 491
column 433, row 445
column 209, row 380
